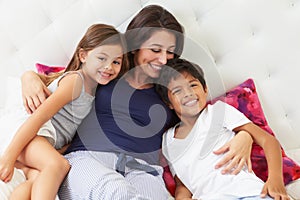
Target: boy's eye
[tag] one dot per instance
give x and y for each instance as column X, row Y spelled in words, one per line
column 176, row 91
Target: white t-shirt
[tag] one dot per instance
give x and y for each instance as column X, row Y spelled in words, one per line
column 193, row 161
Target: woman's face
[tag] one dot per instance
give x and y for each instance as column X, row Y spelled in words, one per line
column 155, row 52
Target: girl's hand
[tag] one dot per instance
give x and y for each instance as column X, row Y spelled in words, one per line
column 6, row 169
column 275, row 189
column 238, row 152
column 34, row 91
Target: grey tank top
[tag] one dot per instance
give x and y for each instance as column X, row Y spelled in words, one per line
column 68, row 118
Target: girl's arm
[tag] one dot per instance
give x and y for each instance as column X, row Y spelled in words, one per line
column 181, row 192
column 238, row 153
column 274, row 184
column 69, row 88
column 34, row 90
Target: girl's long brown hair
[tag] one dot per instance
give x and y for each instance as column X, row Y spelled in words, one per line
column 96, row 35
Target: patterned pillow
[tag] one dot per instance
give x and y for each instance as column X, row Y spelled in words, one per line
column 45, row 69
column 245, row 99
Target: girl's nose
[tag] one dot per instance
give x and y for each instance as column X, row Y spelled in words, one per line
column 108, row 66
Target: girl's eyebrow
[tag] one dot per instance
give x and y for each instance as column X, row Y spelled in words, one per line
column 102, row 53
column 105, row 54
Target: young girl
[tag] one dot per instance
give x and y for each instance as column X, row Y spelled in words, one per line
column 98, row 59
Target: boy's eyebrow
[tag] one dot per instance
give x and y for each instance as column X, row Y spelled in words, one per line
column 176, row 86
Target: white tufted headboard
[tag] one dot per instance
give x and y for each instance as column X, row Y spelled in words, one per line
column 232, row 39
column 250, row 38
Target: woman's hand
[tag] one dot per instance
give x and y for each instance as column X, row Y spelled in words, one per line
column 34, row 91
column 238, row 153
column 275, row 188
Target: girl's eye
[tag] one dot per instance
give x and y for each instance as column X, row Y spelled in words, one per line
column 117, row 62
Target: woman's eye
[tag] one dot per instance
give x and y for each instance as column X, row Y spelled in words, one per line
column 170, row 52
column 156, row 50
column 102, row 58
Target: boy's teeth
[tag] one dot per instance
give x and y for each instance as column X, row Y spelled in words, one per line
column 156, row 67
column 190, row 102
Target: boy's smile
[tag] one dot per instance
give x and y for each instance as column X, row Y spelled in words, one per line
column 187, row 96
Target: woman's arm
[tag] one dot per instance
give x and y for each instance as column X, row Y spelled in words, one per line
column 181, row 192
column 69, row 88
column 238, row 151
column 274, row 185
column 34, row 90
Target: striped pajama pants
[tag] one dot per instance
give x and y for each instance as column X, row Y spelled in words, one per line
column 93, row 176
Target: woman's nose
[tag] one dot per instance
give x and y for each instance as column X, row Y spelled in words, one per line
column 163, row 57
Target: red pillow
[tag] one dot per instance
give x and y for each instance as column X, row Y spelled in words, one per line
column 244, row 98
column 45, row 69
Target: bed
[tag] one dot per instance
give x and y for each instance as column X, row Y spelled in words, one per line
column 232, row 40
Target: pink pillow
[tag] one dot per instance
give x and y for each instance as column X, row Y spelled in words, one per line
column 245, row 99
column 45, row 69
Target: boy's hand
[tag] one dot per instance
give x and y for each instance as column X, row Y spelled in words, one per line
column 6, row 169
column 275, row 189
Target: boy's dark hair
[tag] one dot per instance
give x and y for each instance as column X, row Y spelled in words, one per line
column 173, row 69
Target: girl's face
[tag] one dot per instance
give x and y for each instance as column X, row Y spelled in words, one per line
column 187, row 96
column 155, row 52
column 103, row 63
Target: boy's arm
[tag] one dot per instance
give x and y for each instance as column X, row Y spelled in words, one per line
column 181, row 192
column 34, row 90
column 274, row 185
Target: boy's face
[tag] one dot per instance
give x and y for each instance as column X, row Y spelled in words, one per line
column 187, row 96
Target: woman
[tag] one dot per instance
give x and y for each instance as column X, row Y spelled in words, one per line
column 115, row 154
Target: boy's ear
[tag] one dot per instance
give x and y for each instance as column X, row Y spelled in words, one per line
column 82, row 55
column 170, row 106
column 206, row 90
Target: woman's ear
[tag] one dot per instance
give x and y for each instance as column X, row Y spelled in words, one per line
column 82, row 55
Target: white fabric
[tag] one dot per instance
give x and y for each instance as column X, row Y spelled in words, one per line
column 193, row 161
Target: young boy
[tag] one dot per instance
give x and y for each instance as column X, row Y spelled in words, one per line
column 206, row 127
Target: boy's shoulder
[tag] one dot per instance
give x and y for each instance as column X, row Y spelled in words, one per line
column 169, row 134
